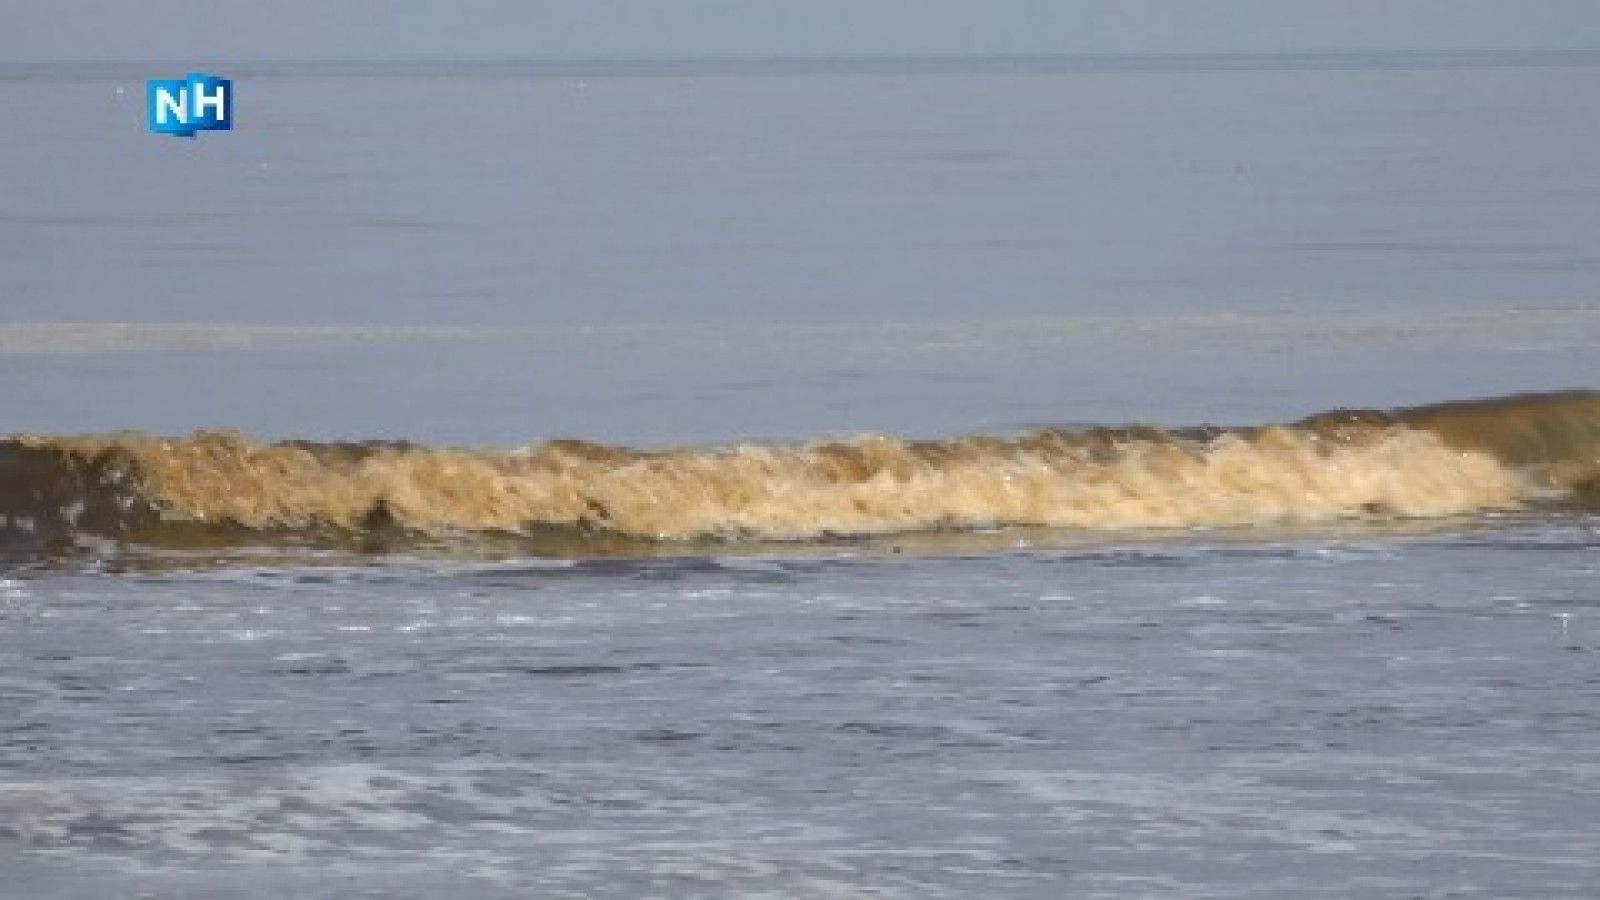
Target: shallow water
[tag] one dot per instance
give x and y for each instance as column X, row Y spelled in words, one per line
column 1387, row 716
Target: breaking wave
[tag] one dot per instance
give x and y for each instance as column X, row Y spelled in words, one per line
column 216, row 486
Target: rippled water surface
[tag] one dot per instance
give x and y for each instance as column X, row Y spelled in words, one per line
column 1316, row 716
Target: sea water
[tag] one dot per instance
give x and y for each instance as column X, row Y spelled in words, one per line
column 914, row 313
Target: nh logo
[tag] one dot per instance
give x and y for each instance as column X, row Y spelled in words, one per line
column 183, row 106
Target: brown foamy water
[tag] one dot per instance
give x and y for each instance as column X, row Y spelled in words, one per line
column 1428, row 461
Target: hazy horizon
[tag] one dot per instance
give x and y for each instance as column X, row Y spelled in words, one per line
column 299, row 30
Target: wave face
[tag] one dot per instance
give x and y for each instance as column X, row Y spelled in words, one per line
column 216, row 486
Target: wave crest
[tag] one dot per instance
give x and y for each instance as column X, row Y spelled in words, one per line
column 1426, row 461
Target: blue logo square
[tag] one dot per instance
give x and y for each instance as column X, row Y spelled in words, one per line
column 184, row 106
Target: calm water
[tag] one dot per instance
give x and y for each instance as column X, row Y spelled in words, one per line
column 518, row 194
column 704, row 253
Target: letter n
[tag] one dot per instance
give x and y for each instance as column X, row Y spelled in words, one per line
column 167, row 106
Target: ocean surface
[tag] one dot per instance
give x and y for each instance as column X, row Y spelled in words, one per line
column 1052, row 477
